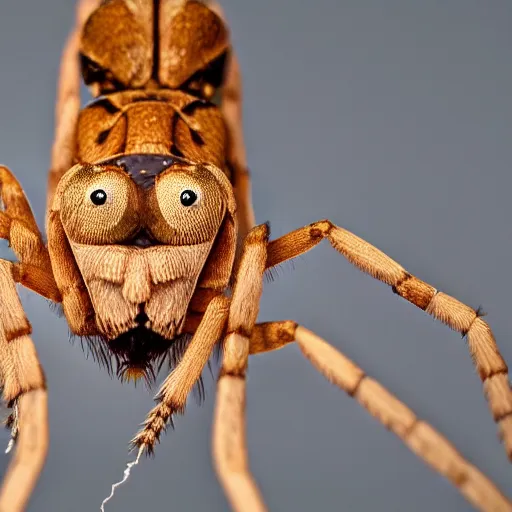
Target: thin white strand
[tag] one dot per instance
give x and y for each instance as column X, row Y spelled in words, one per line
column 9, row 445
column 126, row 474
column 14, row 429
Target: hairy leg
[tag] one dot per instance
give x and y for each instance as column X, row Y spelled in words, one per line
column 67, row 107
column 21, row 375
column 231, row 106
column 426, row 442
column 19, row 228
column 173, row 393
column 229, row 444
column 24, row 388
column 489, row 363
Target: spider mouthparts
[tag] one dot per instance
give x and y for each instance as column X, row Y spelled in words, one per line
column 134, row 373
column 143, row 239
column 142, row 319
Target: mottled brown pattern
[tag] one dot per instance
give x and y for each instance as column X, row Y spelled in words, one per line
column 460, row 317
column 167, row 122
column 117, row 45
column 416, row 291
column 270, row 336
column 189, row 41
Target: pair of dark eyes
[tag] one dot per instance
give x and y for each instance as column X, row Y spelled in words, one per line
column 187, row 197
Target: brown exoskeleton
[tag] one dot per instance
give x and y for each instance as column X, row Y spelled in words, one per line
column 148, row 200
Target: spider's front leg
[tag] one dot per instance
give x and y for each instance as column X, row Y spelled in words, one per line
column 172, row 395
column 21, row 375
column 488, row 361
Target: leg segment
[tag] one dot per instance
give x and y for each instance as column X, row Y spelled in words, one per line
column 19, row 228
column 270, row 336
column 23, row 383
column 231, row 107
column 68, row 101
column 485, row 353
column 229, row 445
column 30, row 452
column 420, row 437
column 173, row 393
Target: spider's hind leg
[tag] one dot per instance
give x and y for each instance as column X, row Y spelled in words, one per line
column 419, row 436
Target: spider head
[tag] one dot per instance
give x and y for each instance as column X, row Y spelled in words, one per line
column 132, row 240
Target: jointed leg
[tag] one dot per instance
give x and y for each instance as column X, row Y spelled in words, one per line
column 231, row 106
column 229, row 446
column 22, row 380
column 269, row 336
column 68, row 101
column 490, row 365
column 21, row 376
column 30, row 454
column 173, row 393
column 19, row 366
column 232, row 110
column 419, row 436
column 19, row 228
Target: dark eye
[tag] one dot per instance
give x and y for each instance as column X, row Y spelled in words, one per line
column 99, row 197
column 188, row 197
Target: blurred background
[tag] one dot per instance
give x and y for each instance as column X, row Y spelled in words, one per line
column 394, row 120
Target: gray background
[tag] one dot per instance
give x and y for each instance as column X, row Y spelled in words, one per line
column 392, row 119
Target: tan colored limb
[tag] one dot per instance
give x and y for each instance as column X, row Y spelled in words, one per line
column 68, row 101
column 419, row 436
column 269, row 336
column 231, row 107
column 23, row 384
column 173, row 393
column 19, row 366
column 229, row 443
column 30, row 454
column 484, row 351
column 19, row 228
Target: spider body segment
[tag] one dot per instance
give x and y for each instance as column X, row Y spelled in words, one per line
column 151, row 238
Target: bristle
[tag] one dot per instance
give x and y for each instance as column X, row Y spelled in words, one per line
column 156, row 423
column 480, row 312
column 134, row 374
column 267, row 223
column 199, row 392
column 56, row 308
column 272, row 273
column 139, row 354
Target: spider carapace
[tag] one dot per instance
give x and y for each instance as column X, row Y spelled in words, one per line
column 152, row 245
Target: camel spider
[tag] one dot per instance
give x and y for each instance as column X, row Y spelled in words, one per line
column 141, row 247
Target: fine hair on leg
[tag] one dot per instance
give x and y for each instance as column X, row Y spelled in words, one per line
column 420, row 437
column 229, row 443
column 484, row 351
